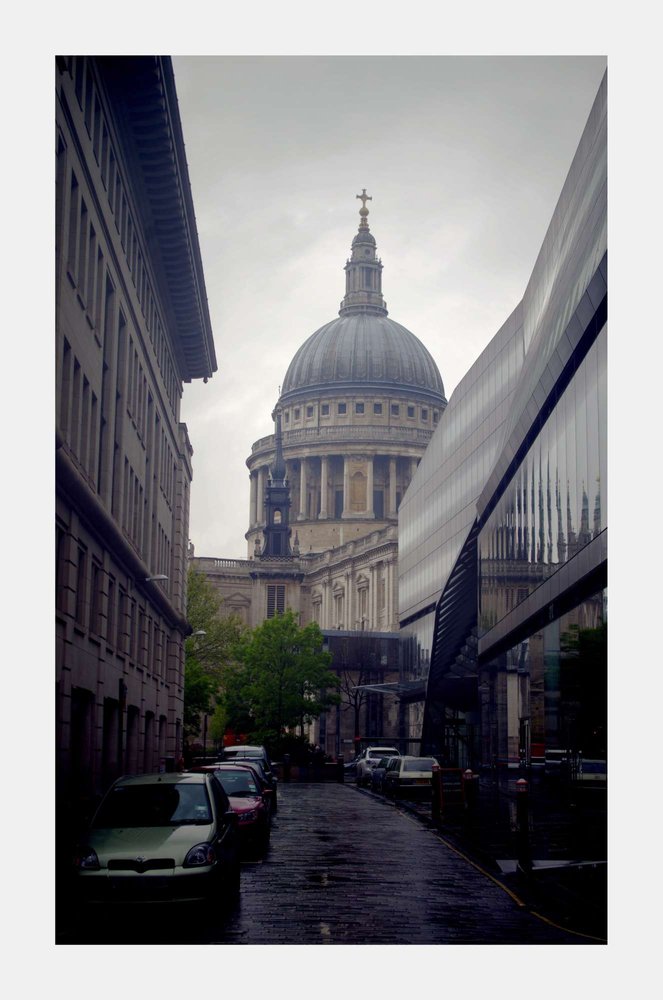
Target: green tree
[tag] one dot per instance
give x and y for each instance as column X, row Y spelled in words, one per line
column 199, row 688
column 207, row 655
column 280, row 680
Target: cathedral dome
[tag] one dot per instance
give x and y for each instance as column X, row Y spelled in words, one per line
column 363, row 348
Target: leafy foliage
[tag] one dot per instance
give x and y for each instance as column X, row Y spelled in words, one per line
column 280, row 679
column 207, row 656
column 199, row 688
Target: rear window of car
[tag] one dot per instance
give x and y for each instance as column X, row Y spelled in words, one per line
column 237, row 782
column 154, row 805
column 418, row 764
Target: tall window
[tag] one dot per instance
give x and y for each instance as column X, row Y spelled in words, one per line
column 60, row 567
column 275, row 599
column 81, row 585
column 110, row 615
column 96, row 597
column 121, row 641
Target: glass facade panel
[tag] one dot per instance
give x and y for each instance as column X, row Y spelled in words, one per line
column 544, row 701
column 439, row 507
column 553, row 506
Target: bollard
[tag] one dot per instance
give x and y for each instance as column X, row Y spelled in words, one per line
column 436, row 801
column 470, row 788
column 341, row 769
column 522, row 812
column 286, row 767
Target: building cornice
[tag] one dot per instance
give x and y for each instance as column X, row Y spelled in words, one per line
column 144, row 99
column 317, row 440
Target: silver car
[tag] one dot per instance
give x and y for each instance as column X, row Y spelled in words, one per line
column 378, row 773
column 409, row 777
column 368, row 760
column 161, row 837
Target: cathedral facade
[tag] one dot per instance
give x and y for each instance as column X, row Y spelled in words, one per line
column 358, row 405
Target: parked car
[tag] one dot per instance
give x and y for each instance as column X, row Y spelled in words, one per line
column 257, row 773
column 250, row 752
column 367, row 761
column 378, row 773
column 237, row 754
column 254, row 813
column 268, row 778
column 409, row 777
column 158, row 837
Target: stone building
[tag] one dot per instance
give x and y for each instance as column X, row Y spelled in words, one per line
column 358, row 405
column 131, row 327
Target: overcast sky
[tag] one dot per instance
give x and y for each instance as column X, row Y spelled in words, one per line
column 464, row 158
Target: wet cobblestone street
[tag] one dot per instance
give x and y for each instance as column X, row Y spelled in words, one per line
column 344, row 867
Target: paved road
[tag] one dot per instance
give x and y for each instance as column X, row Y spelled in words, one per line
column 344, row 867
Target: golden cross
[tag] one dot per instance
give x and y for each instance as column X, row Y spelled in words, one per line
column 363, row 197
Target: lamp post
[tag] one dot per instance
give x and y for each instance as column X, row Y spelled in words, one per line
column 158, row 576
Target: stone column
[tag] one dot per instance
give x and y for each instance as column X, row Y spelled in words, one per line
column 325, row 604
column 253, row 511
column 413, row 467
column 261, row 496
column 391, row 512
column 389, row 593
column 369, row 487
column 372, row 599
column 346, row 487
column 302, row 490
column 324, row 489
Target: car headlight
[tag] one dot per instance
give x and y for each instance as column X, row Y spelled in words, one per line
column 201, row 854
column 87, row 860
column 248, row 817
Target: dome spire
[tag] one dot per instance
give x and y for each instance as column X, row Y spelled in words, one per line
column 363, row 211
column 363, row 271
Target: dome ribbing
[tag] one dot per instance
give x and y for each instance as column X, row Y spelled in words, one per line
column 363, row 348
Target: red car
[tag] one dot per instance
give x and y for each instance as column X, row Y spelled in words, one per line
column 248, row 800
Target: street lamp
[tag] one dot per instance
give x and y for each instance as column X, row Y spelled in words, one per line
column 159, row 576
column 198, row 633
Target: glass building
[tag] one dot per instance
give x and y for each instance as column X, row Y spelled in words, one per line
column 503, row 531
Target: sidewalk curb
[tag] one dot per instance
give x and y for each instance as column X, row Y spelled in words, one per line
column 543, row 891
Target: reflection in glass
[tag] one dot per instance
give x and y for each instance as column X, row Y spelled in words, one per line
column 553, row 506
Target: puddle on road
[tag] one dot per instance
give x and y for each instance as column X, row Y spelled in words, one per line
column 326, row 878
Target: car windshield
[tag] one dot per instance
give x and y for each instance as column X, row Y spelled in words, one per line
column 237, row 782
column 250, row 766
column 381, row 753
column 418, row 764
column 154, row 805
